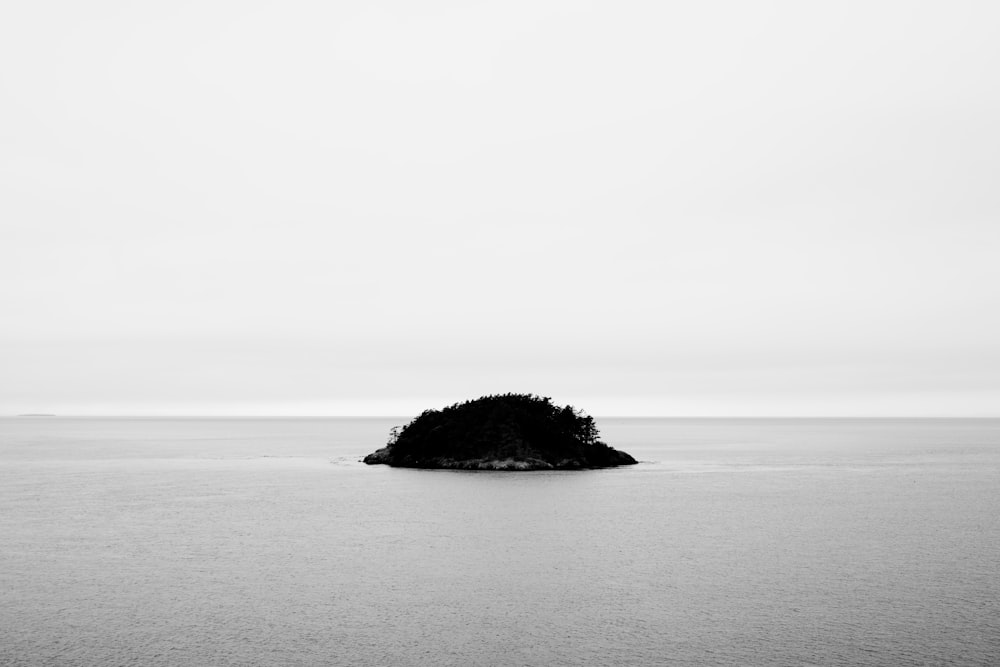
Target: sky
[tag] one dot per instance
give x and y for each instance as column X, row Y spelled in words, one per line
column 374, row 208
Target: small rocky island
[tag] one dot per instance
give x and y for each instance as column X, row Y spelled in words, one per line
column 502, row 432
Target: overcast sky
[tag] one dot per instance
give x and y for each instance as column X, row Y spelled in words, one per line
column 640, row 208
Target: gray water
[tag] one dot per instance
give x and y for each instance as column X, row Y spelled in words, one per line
column 266, row 542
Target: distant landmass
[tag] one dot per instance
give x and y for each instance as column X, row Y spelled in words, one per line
column 500, row 432
column 36, row 414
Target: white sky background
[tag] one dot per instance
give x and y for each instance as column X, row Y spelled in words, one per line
column 698, row 208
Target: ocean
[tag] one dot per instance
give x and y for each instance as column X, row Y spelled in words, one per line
column 142, row 541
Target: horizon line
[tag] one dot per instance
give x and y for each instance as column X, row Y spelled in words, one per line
column 41, row 415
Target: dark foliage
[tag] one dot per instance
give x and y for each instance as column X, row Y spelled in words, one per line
column 504, row 431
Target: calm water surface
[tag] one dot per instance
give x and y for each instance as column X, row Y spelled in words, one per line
column 266, row 542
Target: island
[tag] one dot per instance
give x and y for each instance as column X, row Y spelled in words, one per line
column 500, row 432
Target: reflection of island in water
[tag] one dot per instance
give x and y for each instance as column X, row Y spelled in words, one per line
column 502, row 432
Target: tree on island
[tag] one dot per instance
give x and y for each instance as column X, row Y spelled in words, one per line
column 500, row 432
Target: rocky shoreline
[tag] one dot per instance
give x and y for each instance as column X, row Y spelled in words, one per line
column 383, row 456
